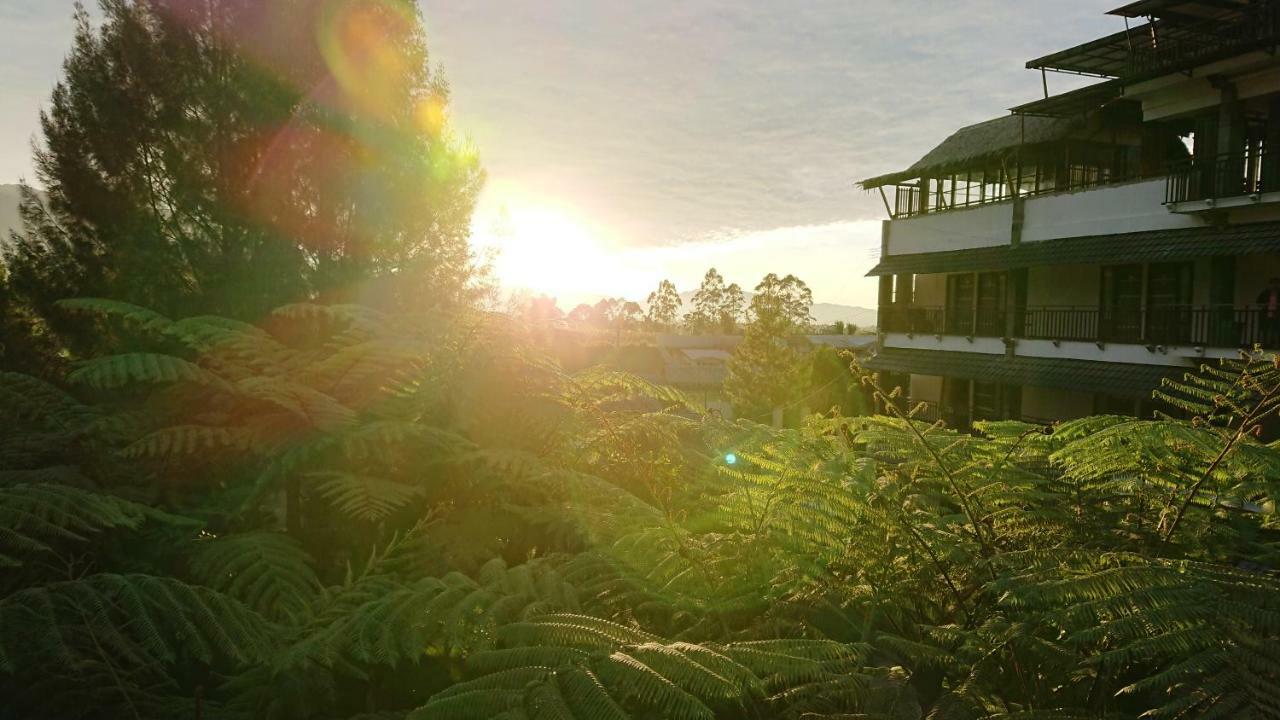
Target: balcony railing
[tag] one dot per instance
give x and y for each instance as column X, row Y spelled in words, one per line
column 941, row 321
column 1233, row 175
column 1182, row 46
column 1205, row 325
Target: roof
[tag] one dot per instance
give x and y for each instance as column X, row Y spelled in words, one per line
column 1121, row 379
column 1179, row 8
column 1076, row 102
column 697, row 354
column 1149, row 246
column 1105, row 57
column 996, row 137
column 849, row 342
column 1184, row 34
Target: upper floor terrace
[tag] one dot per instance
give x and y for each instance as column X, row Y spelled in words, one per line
column 1020, row 156
column 1178, row 35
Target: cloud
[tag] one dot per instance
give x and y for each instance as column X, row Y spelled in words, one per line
column 668, row 121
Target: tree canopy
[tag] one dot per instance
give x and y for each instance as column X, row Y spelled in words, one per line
column 663, row 306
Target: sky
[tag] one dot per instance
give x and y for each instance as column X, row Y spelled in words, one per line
column 629, row 142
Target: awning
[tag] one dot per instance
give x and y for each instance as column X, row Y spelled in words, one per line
column 1149, row 246
column 1076, row 102
column 1119, row 379
column 1104, row 57
column 1192, row 9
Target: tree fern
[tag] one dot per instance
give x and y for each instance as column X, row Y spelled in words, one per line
column 118, row 370
column 33, row 518
column 268, row 572
column 133, row 619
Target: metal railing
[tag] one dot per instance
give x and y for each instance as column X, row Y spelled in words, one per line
column 912, row 319
column 1063, row 322
column 1049, row 180
column 1205, row 325
column 1233, row 175
column 919, row 320
column 1182, row 46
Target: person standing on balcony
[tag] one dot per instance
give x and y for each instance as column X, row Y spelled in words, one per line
column 1269, row 300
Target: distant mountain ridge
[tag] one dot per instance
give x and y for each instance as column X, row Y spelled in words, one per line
column 823, row 313
column 10, row 195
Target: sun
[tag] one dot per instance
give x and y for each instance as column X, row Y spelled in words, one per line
column 544, row 247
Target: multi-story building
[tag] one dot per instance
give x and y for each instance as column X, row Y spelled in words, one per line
column 1060, row 260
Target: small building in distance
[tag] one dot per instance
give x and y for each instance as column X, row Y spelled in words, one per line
column 1062, row 259
column 698, row 364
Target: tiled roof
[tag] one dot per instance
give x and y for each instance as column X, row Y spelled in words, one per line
column 1149, row 246
column 1121, row 379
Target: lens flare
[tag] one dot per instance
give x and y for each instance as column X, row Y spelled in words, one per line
column 367, row 45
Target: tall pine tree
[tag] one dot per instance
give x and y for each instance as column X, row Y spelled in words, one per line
column 227, row 156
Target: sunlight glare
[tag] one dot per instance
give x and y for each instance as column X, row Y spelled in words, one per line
column 546, row 248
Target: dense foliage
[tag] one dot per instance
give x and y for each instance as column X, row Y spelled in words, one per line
column 340, row 512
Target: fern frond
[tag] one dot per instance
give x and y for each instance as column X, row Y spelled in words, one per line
column 132, row 314
column 182, row 440
column 141, row 618
column 267, row 571
column 366, row 498
column 33, row 515
column 115, row 371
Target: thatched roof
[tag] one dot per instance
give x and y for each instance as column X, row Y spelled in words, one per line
column 984, row 140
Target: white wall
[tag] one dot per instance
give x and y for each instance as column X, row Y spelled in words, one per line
column 982, row 226
column 949, row 343
column 1172, row 355
column 1132, row 207
column 1180, row 93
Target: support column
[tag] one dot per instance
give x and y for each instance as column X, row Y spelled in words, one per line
column 1015, row 299
column 1227, row 166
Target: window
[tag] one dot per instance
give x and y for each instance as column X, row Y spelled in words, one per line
column 1169, row 302
column 966, row 402
column 1121, row 304
column 961, row 300
column 991, row 294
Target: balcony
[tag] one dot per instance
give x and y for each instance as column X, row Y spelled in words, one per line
column 1172, row 46
column 1219, row 326
column 1244, row 177
column 918, row 320
column 1082, row 167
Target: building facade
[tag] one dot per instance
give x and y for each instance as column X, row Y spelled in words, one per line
column 1059, row 261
